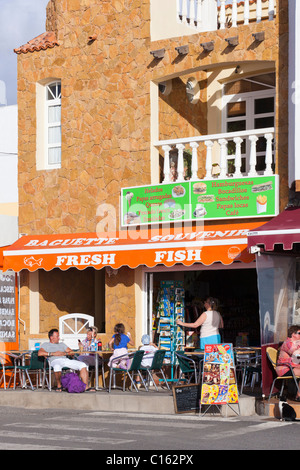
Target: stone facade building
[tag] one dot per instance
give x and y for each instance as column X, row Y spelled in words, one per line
column 101, row 94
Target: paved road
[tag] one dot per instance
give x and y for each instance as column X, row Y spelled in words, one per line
column 65, row 430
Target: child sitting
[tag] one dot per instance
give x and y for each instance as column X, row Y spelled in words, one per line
column 150, row 349
column 119, row 343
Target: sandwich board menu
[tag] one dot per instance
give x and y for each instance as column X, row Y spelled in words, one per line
column 219, row 385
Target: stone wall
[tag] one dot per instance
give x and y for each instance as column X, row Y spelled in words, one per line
column 106, row 115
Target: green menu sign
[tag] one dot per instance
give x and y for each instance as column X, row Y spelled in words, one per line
column 195, row 200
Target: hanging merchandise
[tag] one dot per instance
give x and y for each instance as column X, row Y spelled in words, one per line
column 170, row 308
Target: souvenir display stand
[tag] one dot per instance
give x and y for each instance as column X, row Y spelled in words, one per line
column 170, row 308
column 219, row 385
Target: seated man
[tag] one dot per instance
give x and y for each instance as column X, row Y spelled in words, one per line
column 56, row 352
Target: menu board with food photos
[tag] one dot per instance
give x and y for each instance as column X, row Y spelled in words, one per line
column 219, row 385
column 229, row 198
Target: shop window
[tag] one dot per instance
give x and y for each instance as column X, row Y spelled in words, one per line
column 48, row 124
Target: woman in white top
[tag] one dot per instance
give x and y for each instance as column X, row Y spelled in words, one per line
column 210, row 322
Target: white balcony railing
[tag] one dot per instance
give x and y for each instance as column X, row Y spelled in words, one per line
column 215, row 148
column 228, row 13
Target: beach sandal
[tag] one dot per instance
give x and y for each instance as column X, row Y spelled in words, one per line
column 59, row 389
column 90, row 389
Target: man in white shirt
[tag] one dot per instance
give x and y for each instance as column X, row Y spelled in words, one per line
column 56, row 353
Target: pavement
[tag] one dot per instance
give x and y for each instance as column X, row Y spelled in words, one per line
column 153, row 402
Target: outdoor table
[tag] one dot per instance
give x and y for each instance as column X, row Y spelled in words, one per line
column 16, row 356
column 104, row 354
column 199, row 355
column 246, row 354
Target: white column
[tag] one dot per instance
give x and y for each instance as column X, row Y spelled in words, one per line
column 209, row 15
column 193, row 12
column 222, row 18
column 252, row 162
column 238, row 160
column 194, row 166
column 223, row 157
column 258, row 11
column 246, row 12
column 268, row 171
column 166, row 149
column 34, row 303
column 180, row 166
column 208, row 166
column 272, row 9
column 179, row 9
column 234, row 13
column 184, row 11
column 198, row 13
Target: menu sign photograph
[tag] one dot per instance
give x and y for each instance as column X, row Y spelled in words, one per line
column 7, row 308
column 200, row 200
column 219, row 379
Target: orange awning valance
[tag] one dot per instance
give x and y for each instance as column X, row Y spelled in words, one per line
column 132, row 248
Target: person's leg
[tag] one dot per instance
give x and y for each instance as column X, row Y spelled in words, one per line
column 81, row 367
column 57, row 376
column 84, row 375
column 57, row 365
column 297, row 374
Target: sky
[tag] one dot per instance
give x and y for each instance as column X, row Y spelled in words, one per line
column 20, row 21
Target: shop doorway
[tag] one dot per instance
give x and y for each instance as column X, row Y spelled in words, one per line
column 236, row 290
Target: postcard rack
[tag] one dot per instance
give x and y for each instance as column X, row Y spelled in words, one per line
column 170, row 308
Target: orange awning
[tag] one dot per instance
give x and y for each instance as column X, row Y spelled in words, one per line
column 132, row 248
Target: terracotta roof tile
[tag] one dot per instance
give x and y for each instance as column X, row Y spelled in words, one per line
column 43, row 41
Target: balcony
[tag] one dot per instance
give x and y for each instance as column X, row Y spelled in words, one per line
column 201, row 15
column 229, row 155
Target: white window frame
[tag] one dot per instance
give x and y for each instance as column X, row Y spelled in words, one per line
column 42, row 108
column 56, row 101
column 250, row 116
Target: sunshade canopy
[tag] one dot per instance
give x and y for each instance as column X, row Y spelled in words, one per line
column 283, row 230
column 206, row 245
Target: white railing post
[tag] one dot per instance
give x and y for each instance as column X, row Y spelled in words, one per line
column 198, row 13
column 208, row 165
column 222, row 160
column 194, row 165
column 234, row 13
column 184, row 11
column 252, row 160
column 268, row 171
column 179, row 9
column 238, row 159
column 188, row 10
column 271, row 10
column 223, row 157
column 246, row 12
column 180, row 164
column 222, row 14
column 166, row 149
column 258, row 11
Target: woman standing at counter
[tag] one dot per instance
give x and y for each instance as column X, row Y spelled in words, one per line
column 210, row 322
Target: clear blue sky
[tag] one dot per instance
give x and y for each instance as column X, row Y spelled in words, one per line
column 20, row 21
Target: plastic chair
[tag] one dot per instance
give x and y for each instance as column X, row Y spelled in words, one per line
column 6, row 367
column 156, row 365
column 35, row 365
column 251, row 371
column 187, row 367
column 272, row 356
column 135, row 367
column 49, row 368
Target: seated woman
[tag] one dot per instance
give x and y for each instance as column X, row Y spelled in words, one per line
column 89, row 344
column 288, row 355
